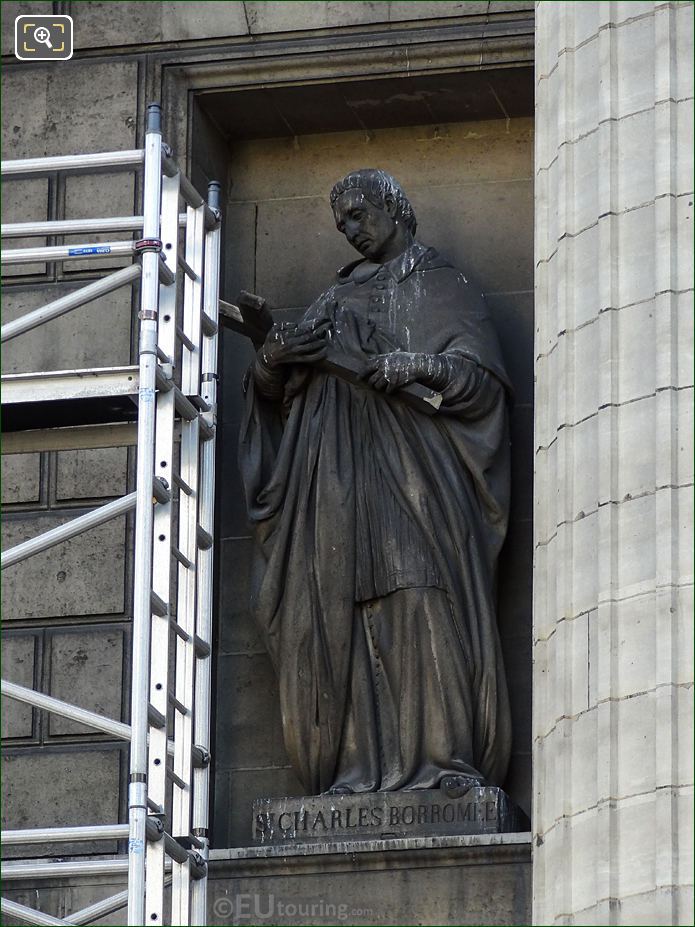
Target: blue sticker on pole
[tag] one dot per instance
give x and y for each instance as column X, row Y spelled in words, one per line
column 135, row 845
column 94, row 249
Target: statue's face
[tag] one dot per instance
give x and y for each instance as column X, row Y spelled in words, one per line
column 367, row 227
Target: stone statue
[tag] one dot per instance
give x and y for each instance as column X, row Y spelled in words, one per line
column 378, row 525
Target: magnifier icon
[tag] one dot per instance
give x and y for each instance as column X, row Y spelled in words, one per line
column 43, row 35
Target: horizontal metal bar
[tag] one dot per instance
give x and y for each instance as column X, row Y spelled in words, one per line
column 56, row 227
column 186, row 267
column 70, row 226
column 76, row 867
column 184, row 339
column 30, row 915
column 75, row 437
column 89, row 383
column 65, row 710
column 103, row 162
column 202, row 648
column 155, row 718
column 177, row 629
column 71, row 712
column 177, row 780
column 189, row 192
column 159, row 606
column 209, row 327
column 181, row 557
column 182, row 484
column 78, row 252
column 179, row 706
column 166, row 275
column 64, row 304
column 204, row 538
column 96, row 911
column 64, row 834
column 69, row 530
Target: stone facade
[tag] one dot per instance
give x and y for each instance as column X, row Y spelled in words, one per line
column 612, row 569
column 613, row 515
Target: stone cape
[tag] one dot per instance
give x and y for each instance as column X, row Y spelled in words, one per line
column 385, row 815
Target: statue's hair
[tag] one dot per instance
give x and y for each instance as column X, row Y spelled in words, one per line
column 376, row 185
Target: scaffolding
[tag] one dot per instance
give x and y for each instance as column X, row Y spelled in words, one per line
column 167, row 404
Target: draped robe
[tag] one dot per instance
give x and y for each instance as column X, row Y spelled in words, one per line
column 378, row 529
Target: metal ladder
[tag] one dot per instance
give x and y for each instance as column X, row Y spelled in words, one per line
column 174, row 387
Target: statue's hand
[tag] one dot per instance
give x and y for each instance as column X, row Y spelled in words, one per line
column 388, row 372
column 293, row 343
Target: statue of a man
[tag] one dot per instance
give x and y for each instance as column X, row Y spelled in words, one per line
column 378, row 526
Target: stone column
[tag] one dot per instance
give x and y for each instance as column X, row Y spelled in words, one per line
column 613, row 630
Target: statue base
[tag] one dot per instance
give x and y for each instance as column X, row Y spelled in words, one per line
column 385, row 816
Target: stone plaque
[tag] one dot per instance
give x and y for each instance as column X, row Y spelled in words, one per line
column 385, row 815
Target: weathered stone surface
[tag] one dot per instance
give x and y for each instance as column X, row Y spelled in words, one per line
column 10, row 10
column 18, row 657
column 91, row 474
column 94, row 335
column 21, row 478
column 84, row 576
column 436, row 880
column 59, row 788
column 384, row 816
column 86, row 668
column 612, row 557
column 23, row 201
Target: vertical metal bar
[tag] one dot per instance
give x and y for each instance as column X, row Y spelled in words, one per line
column 201, row 775
column 161, row 561
column 188, row 523
column 142, row 607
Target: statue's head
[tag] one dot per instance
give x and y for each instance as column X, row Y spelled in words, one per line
column 373, row 213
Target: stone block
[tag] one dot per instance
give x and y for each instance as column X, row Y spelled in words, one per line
column 240, row 249
column 391, row 882
column 24, row 126
column 238, row 631
column 633, row 46
column 24, row 201
column 624, row 536
column 512, row 315
column 468, row 152
column 84, row 576
column 103, row 25
column 235, row 792
column 91, row 474
column 290, row 235
column 585, row 21
column 683, row 51
column 208, row 20
column 93, row 196
column 582, row 110
column 86, row 668
column 624, row 431
column 564, row 662
column 112, row 124
column 94, row 335
column 21, row 478
column 682, row 279
column 18, row 660
column 249, row 730
column 61, row 788
column 13, row 9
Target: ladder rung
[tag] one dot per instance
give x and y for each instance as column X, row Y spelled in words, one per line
column 160, row 490
column 179, row 706
column 186, row 267
column 184, row 339
column 200, row 756
column 184, row 635
column 159, row 606
column 202, row 648
column 177, row 780
column 182, row 558
column 162, row 356
column 166, row 275
column 198, row 401
column 182, row 484
column 184, row 406
column 154, row 807
column 156, row 718
column 204, row 538
column 209, row 327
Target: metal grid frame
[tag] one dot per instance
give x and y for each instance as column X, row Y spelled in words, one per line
column 175, row 387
